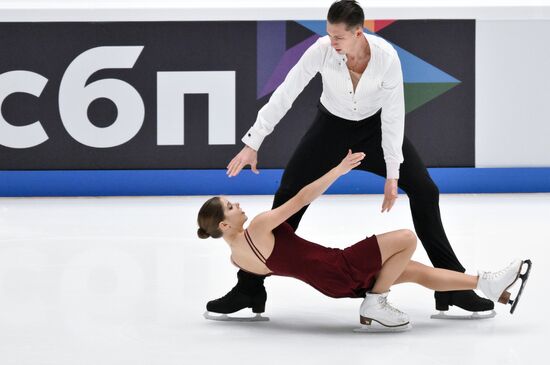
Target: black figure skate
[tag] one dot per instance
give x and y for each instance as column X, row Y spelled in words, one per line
column 467, row 300
column 248, row 293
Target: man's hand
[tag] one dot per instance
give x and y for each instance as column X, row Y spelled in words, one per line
column 390, row 194
column 247, row 156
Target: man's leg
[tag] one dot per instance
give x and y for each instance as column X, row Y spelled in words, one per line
column 424, row 203
column 323, row 146
column 312, row 159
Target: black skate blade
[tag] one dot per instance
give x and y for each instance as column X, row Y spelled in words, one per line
column 524, row 277
column 225, row 318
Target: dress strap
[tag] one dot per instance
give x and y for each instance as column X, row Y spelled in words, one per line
column 253, row 247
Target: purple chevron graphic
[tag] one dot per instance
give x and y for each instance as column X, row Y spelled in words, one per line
column 271, row 41
column 287, row 61
column 274, row 61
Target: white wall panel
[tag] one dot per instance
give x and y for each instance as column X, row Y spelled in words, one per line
column 513, row 93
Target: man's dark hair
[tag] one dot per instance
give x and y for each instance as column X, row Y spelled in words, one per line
column 348, row 12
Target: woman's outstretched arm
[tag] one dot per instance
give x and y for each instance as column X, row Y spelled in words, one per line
column 271, row 219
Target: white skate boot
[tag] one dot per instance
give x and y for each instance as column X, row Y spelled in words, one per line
column 377, row 315
column 496, row 285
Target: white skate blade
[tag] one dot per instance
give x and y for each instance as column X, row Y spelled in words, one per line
column 524, row 277
column 376, row 327
column 224, row 317
column 474, row 315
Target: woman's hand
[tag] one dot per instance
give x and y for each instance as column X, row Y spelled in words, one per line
column 351, row 161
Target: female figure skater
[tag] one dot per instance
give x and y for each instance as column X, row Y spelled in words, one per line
column 366, row 269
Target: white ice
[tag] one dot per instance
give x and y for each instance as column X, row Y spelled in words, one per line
column 126, row 280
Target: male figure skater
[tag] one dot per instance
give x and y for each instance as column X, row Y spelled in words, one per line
column 361, row 108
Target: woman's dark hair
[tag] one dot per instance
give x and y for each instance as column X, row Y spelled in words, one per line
column 348, row 12
column 209, row 218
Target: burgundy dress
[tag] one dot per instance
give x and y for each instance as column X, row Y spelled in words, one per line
column 334, row 272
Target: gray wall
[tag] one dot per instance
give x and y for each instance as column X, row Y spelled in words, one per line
column 512, row 93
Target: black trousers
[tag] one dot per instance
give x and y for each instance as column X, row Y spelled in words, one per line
column 326, row 143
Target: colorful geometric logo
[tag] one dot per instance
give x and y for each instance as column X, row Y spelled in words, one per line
column 422, row 81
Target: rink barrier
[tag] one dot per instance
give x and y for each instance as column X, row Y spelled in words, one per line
column 209, row 182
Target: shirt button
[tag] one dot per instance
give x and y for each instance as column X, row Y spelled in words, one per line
column 350, row 92
column 249, row 134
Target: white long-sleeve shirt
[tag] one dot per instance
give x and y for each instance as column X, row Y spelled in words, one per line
column 380, row 86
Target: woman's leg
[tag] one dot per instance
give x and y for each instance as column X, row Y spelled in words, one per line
column 396, row 250
column 436, row 279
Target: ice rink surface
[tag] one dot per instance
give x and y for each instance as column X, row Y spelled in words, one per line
column 126, row 280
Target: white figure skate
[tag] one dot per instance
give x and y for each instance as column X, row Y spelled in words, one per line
column 496, row 285
column 377, row 315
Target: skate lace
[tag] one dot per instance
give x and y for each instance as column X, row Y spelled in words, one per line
column 487, row 275
column 388, row 306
